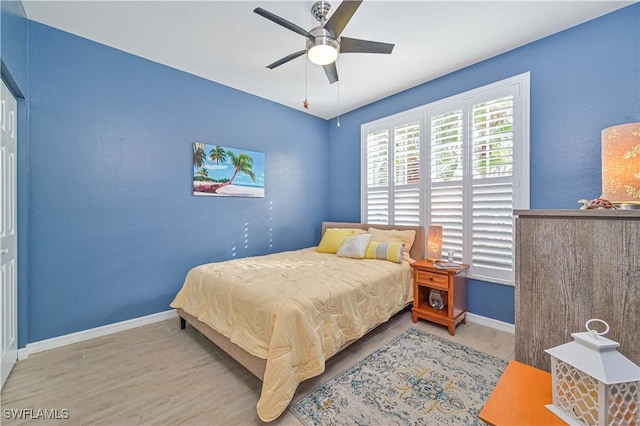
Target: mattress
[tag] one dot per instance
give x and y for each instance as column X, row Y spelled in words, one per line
column 294, row 309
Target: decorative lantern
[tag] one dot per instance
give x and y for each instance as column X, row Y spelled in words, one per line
column 593, row 383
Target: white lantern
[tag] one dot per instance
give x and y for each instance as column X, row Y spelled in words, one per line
column 593, row 383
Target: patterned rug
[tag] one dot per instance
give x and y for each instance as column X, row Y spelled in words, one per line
column 416, row 379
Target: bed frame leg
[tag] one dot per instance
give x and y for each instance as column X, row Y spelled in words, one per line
column 183, row 323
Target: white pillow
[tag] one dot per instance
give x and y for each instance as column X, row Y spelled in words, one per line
column 354, row 246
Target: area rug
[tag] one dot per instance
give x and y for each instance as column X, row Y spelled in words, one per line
column 416, row 379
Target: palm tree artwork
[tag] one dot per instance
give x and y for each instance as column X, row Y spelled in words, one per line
column 223, row 171
column 199, row 156
column 218, row 155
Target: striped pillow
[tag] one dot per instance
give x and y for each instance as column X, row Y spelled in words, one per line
column 384, row 251
column 396, row 236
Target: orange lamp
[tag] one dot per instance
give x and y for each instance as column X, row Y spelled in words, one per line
column 434, row 243
column 621, row 165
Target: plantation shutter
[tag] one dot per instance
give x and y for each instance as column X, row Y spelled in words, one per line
column 467, row 169
column 447, row 168
column 392, row 164
column 492, row 188
column 406, row 156
column 377, row 166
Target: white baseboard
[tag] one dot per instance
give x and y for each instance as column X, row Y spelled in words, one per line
column 490, row 322
column 92, row 333
column 80, row 336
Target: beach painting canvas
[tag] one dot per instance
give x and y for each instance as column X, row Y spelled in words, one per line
column 220, row 171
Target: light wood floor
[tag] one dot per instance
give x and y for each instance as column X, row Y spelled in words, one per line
column 159, row 374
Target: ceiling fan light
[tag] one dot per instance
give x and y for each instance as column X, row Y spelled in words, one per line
column 322, row 54
column 322, row 49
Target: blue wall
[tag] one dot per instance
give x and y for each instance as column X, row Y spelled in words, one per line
column 582, row 80
column 107, row 210
column 113, row 224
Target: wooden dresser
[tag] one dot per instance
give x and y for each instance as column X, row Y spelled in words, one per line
column 573, row 265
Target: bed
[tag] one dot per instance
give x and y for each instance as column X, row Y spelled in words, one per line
column 283, row 315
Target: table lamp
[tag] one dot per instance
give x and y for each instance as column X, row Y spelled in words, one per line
column 621, row 165
column 434, row 243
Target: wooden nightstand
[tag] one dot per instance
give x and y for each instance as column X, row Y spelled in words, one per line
column 453, row 282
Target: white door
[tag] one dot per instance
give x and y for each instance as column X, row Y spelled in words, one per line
column 8, row 234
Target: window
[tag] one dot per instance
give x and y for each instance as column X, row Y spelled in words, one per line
column 463, row 163
column 392, row 166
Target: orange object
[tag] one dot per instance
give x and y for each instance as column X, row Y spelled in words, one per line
column 520, row 398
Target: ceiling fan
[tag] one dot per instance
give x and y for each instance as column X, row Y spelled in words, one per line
column 324, row 42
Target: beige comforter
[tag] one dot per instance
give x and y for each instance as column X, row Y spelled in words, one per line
column 294, row 309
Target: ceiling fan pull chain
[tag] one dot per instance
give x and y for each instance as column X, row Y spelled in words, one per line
column 338, row 123
column 305, row 104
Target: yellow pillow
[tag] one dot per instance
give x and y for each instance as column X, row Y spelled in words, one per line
column 333, row 239
column 395, row 236
column 356, row 231
column 384, row 251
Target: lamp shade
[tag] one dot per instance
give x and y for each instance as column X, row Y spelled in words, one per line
column 434, row 242
column 621, row 163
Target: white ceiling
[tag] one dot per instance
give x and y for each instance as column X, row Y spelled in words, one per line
column 224, row 41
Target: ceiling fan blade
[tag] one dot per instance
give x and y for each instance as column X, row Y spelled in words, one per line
column 332, row 72
column 354, row 45
column 286, row 59
column 281, row 21
column 341, row 17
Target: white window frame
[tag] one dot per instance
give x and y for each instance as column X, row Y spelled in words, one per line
column 519, row 86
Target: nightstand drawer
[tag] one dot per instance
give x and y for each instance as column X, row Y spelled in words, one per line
column 432, row 280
